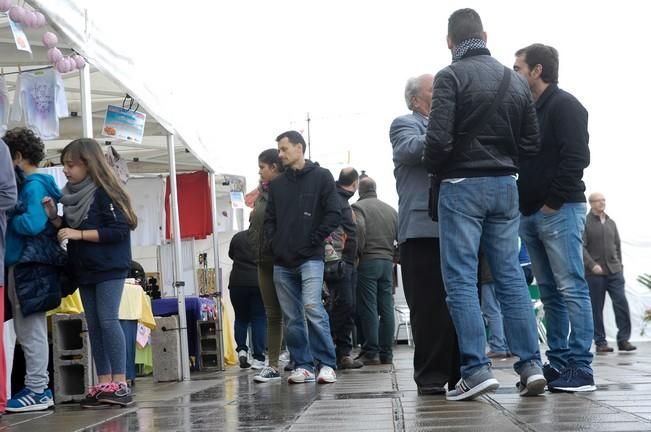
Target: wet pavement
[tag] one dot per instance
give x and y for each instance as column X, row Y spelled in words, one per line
column 375, row 398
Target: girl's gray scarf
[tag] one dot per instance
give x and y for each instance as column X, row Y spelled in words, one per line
column 76, row 201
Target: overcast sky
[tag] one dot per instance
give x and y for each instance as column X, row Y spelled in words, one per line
column 254, row 69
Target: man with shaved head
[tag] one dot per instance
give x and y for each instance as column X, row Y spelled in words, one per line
column 602, row 257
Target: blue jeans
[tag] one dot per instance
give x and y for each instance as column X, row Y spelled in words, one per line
column 375, row 307
column 484, row 211
column 101, row 306
column 249, row 310
column 493, row 314
column 299, row 293
column 555, row 246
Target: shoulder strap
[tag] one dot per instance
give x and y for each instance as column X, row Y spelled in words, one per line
column 467, row 138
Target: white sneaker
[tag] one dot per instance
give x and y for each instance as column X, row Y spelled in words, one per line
column 284, row 356
column 243, row 356
column 257, row 364
column 326, row 375
column 300, row 376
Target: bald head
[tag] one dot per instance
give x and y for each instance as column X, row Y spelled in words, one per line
column 348, row 178
column 367, row 187
column 597, row 203
column 418, row 94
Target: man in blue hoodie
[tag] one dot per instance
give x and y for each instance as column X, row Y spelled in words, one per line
column 29, row 220
column 7, row 202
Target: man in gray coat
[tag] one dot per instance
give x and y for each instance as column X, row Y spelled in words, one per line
column 436, row 353
column 377, row 224
column 602, row 257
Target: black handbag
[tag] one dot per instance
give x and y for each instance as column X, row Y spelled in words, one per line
column 465, row 140
column 333, row 271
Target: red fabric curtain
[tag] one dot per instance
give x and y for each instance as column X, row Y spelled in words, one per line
column 195, row 214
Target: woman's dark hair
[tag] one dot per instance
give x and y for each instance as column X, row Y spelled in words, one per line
column 271, row 157
column 27, row 143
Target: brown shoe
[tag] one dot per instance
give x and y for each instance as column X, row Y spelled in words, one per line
column 604, row 348
column 347, row 362
column 626, row 346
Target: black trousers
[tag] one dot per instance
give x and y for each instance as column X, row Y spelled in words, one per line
column 436, row 353
column 615, row 286
column 341, row 311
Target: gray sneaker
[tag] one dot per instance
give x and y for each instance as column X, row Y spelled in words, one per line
column 473, row 386
column 532, row 380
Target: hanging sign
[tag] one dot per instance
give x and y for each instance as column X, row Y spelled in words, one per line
column 124, row 124
column 237, row 200
column 19, row 36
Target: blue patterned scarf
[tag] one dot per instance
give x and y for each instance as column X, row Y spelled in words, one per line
column 469, row 44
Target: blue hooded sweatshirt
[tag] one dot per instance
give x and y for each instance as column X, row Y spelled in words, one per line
column 30, row 218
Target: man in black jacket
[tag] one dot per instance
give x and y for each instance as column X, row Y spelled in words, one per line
column 475, row 155
column 342, row 305
column 303, row 209
column 553, row 216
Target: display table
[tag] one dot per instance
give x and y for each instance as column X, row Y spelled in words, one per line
column 196, row 308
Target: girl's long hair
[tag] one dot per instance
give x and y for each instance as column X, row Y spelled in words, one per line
column 89, row 152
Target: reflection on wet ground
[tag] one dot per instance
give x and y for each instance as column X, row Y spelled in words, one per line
column 375, row 398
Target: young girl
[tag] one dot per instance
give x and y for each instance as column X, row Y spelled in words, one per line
column 270, row 166
column 31, row 293
column 97, row 217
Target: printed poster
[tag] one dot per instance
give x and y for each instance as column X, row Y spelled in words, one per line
column 123, row 124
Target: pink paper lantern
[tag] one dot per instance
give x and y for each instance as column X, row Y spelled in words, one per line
column 54, row 55
column 16, row 13
column 40, row 19
column 5, row 5
column 62, row 66
column 50, row 40
column 29, row 19
column 79, row 61
column 72, row 65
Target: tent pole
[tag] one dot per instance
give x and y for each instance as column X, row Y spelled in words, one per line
column 86, row 105
column 218, row 279
column 179, row 285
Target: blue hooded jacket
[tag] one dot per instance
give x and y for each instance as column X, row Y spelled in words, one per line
column 32, row 220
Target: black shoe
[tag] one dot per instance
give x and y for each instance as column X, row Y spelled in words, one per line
column 386, row 360
column 626, row 346
column 289, row 366
column 115, row 394
column 431, row 390
column 604, row 348
column 550, row 373
column 347, row 362
column 370, row 360
column 573, row 380
column 90, row 400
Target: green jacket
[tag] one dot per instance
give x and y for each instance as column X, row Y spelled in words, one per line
column 256, row 231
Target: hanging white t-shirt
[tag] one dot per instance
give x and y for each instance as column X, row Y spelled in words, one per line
column 40, row 100
column 4, row 106
column 147, row 199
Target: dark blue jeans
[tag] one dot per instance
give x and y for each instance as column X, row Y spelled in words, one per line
column 555, row 245
column 375, row 306
column 249, row 310
column 614, row 285
column 341, row 312
column 484, row 211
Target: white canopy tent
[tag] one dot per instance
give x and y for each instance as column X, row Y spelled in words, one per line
column 171, row 140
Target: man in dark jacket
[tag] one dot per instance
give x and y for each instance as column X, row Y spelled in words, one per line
column 303, row 209
column 436, row 352
column 478, row 200
column 553, row 216
column 602, row 257
column 377, row 225
column 344, row 240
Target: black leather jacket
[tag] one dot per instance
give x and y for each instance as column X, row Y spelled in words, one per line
column 462, row 92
